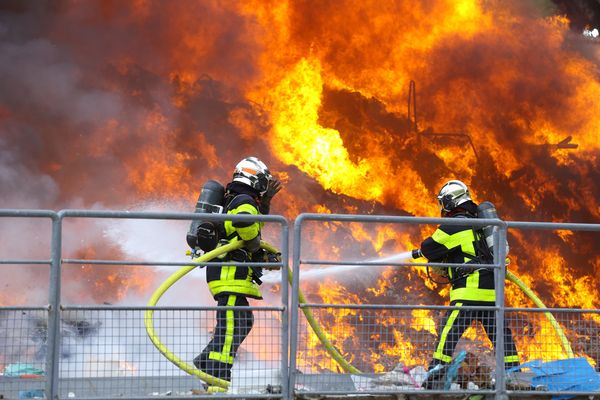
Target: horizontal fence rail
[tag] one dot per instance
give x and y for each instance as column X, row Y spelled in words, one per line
column 384, row 342
column 60, row 350
column 79, row 351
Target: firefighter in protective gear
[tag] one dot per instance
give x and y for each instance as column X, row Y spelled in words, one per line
column 249, row 192
column 469, row 287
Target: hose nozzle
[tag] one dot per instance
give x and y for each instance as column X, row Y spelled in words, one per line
column 416, row 253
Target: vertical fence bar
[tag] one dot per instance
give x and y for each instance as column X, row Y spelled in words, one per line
column 285, row 388
column 296, row 251
column 500, row 275
column 53, row 340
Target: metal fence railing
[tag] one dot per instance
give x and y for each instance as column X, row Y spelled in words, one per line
column 71, row 350
column 88, row 339
column 565, row 342
column 22, row 325
column 388, row 347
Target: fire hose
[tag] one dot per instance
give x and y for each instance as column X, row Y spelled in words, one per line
column 536, row 300
column 333, row 352
column 209, row 379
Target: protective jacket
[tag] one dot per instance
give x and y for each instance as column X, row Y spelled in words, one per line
column 232, row 279
column 456, row 244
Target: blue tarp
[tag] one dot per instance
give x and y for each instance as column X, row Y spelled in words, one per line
column 570, row 375
column 22, row 369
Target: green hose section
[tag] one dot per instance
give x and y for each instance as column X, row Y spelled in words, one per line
column 563, row 339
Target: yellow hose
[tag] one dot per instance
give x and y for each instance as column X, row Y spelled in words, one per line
column 148, row 316
column 190, row 369
column 563, row 339
column 342, row 362
column 333, row 352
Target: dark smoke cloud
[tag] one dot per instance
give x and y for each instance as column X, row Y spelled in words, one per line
column 82, row 80
column 87, row 89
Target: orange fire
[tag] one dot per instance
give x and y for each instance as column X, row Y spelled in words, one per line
column 319, row 92
column 106, row 284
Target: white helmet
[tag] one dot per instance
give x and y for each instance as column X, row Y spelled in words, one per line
column 453, row 194
column 254, row 173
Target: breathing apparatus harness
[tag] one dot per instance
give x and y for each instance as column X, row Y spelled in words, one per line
column 204, row 236
column 483, row 244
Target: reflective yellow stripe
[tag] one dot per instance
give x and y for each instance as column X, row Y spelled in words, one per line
column 238, row 286
column 248, row 232
column 227, row 272
column 224, row 355
column 473, row 280
column 439, row 355
column 472, row 294
column 511, row 359
column 463, row 239
column 229, row 331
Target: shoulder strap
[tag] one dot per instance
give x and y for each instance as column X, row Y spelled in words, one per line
column 481, row 248
column 237, row 200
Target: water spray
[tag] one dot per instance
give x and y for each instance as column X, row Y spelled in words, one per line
column 316, row 273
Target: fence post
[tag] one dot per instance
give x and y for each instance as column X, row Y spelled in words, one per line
column 500, row 276
column 285, row 328
column 294, row 303
column 53, row 339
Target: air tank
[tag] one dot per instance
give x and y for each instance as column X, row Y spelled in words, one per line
column 210, row 200
column 487, row 210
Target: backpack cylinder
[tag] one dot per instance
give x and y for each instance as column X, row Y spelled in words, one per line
column 487, row 210
column 202, row 234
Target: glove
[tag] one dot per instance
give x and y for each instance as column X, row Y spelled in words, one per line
column 273, row 258
column 273, row 188
column 264, row 256
column 461, row 272
column 440, row 271
column 238, row 255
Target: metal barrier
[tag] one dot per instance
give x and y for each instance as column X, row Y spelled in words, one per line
column 64, row 350
column 574, row 372
column 376, row 338
column 104, row 352
column 20, row 324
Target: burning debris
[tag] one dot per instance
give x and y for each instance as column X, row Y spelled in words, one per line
column 133, row 104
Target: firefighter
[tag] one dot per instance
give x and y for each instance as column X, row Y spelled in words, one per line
column 249, row 192
column 469, row 287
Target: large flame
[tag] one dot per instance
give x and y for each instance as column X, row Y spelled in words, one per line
column 115, row 104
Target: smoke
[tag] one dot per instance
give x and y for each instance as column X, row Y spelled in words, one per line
column 87, row 117
column 21, row 186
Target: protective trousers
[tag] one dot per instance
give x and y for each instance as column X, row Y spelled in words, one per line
column 458, row 320
column 233, row 326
